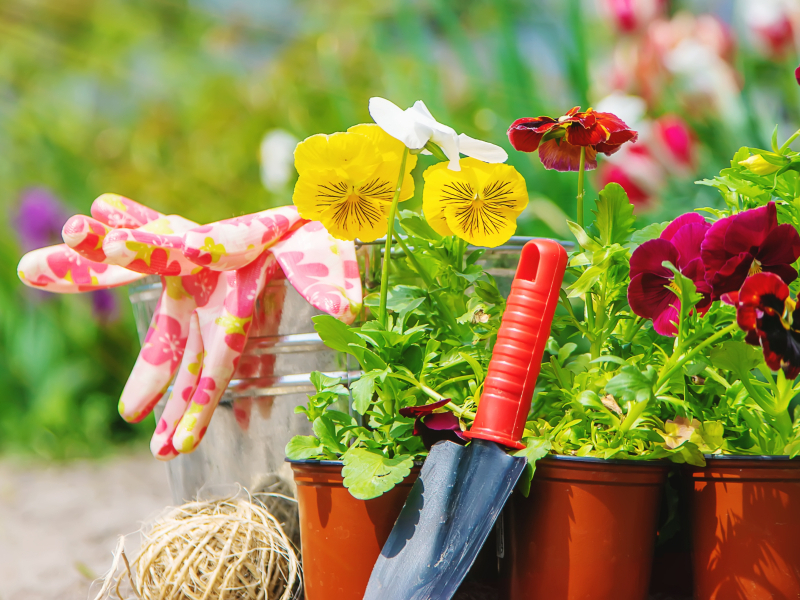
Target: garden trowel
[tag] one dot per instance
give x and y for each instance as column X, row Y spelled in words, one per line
column 462, row 489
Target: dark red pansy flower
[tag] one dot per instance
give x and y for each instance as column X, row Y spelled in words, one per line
column 434, row 427
column 559, row 141
column 651, row 293
column 747, row 243
column 770, row 317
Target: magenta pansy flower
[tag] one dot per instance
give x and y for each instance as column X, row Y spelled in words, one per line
column 434, row 427
column 651, row 293
column 747, row 243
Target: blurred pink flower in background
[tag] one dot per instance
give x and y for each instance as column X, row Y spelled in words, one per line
column 667, row 146
column 674, row 143
column 632, row 15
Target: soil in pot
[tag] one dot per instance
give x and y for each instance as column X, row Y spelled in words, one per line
column 746, row 528
column 585, row 532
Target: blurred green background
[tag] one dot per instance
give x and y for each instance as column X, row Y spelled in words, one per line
column 168, row 102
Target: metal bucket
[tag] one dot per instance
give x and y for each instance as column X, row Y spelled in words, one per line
column 255, row 419
column 250, row 428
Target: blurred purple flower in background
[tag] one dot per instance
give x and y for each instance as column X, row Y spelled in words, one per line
column 39, row 218
column 104, row 306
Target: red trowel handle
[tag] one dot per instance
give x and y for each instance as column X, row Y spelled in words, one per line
column 517, row 355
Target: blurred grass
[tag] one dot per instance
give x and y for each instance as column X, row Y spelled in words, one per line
column 166, row 101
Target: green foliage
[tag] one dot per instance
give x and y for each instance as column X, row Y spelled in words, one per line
column 423, row 355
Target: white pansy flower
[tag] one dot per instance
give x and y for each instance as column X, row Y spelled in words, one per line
column 415, row 127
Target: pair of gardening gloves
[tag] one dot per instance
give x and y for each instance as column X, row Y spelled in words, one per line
column 212, row 276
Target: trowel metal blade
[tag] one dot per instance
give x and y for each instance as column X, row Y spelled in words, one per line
column 445, row 521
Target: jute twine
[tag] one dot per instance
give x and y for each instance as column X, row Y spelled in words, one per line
column 230, row 549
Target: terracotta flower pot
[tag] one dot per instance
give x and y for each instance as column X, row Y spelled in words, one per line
column 586, row 531
column 341, row 536
column 746, row 528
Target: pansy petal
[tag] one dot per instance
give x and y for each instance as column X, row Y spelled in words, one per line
column 649, row 296
column 425, row 409
column 580, row 135
column 712, row 250
column 525, row 134
column 685, row 219
column 665, row 322
column 782, row 246
column 731, row 276
column 750, row 228
column 396, row 122
column 481, row 150
column 442, row 421
column 688, row 240
column 785, row 272
column 560, row 155
column 648, row 257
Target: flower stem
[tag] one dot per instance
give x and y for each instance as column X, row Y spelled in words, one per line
column 692, row 353
column 429, row 283
column 581, row 191
column 789, row 141
column 387, row 253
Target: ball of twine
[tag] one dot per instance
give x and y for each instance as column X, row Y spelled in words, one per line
column 231, row 549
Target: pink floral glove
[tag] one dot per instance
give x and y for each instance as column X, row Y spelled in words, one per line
column 203, row 317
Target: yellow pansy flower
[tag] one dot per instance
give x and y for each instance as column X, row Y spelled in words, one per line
column 479, row 204
column 347, row 181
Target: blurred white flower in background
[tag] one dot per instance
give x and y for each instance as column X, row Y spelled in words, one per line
column 276, row 155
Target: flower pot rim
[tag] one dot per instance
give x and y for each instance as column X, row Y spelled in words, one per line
column 752, row 457
column 609, row 461
column 328, row 463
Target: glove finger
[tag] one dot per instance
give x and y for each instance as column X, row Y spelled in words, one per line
column 233, row 243
column 118, row 211
column 85, row 235
column 62, row 270
column 182, row 390
column 144, row 251
column 322, row 269
column 224, row 325
column 161, row 353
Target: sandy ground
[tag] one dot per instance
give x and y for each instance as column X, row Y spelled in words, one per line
column 60, row 524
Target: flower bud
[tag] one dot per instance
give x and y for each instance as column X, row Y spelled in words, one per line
column 759, row 165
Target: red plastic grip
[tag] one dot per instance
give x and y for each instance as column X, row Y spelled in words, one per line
column 521, row 340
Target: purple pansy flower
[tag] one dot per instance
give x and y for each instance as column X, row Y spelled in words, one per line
column 651, row 293
column 747, row 243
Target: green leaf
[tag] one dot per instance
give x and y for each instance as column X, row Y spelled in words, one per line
column 364, row 389
column 631, row 384
column 774, row 140
column 404, row 298
column 325, row 430
column 737, row 357
column 686, row 288
column 650, row 232
column 535, row 448
column 324, row 382
column 614, row 215
column 302, row 447
column 416, row 225
column 583, row 238
column 369, row 474
column 335, row 334
column 436, row 151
